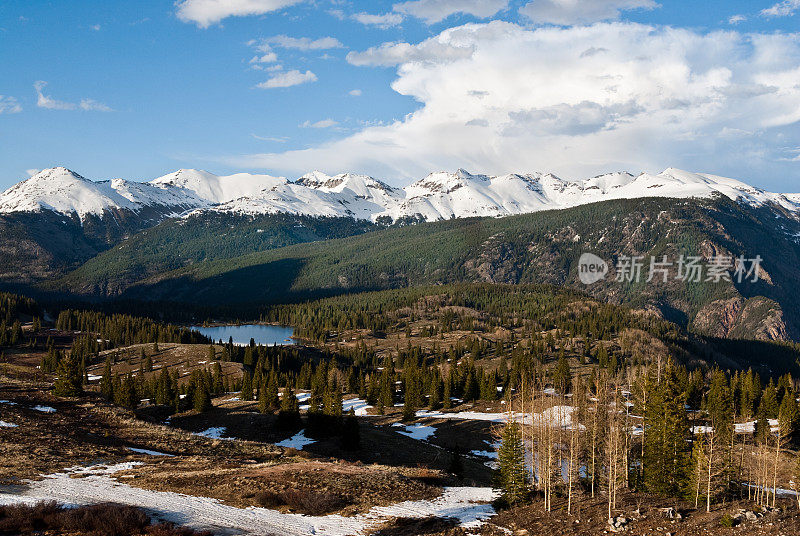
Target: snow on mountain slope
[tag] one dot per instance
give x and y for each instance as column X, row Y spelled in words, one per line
column 218, row 189
column 438, row 196
column 61, row 190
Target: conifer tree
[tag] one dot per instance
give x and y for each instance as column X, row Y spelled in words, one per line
column 247, row 387
column 666, row 453
column 107, row 382
column 201, row 397
column 69, row 381
column 513, row 477
column 351, row 435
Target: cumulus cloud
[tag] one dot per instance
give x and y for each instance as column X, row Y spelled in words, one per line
column 518, row 99
column 787, row 8
column 288, row 79
column 568, row 12
column 439, row 49
column 269, row 57
column 433, row 11
column 324, row 123
column 736, row 19
column 381, row 21
column 204, row 13
column 355, row 92
column 9, row 105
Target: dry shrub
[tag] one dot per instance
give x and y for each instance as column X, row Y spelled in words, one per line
column 405, row 526
column 269, row 499
column 313, row 503
column 100, row 519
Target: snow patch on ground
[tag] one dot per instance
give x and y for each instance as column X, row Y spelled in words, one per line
column 297, row 441
column 487, row 453
column 148, row 452
column 556, row 416
column 358, row 405
column 44, row 409
column 214, row 433
column 468, row 505
column 4, row 424
column 419, row 432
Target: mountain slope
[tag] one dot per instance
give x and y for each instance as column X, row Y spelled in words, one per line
column 438, row 196
column 533, row 248
column 203, row 236
column 65, row 192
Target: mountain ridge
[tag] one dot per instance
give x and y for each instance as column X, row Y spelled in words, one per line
column 438, row 196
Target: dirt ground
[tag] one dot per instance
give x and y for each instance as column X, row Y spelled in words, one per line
column 645, row 517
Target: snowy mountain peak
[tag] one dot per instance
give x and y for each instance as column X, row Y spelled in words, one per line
column 440, row 195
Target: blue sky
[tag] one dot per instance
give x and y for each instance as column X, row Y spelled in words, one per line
column 138, row 89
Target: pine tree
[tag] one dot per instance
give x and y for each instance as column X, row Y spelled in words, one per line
column 201, row 398
column 247, row 387
column 263, row 402
column 666, row 452
column 70, row 379
column 107, row 382
column 513, row 477
column 273, row 401
column 351, row 435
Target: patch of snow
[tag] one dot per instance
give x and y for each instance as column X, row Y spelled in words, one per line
column 468, row 505
column 419, row 432
column 297, row 441
column 8, row 402
column 44, row 409
column 359, row 406
column 214, row 433
column 4, row 424
column 149, row 452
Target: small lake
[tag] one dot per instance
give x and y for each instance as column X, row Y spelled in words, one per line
column 241, row 334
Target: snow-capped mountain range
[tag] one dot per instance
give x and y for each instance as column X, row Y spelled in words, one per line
column 438, row 196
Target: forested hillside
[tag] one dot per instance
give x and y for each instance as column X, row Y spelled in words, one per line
column 533, row 248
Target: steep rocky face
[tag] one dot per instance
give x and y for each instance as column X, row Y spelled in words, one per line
column 757, row 318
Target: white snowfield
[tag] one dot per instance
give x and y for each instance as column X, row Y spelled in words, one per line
column 297, row 441
column 420, row 432
column 468, row 505
column 556, row 417
column 438, row 196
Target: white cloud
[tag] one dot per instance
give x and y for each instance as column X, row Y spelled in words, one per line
column 269, row 57
column 569, row 12
column 96, row 27
column 324, row 123
column 355, row 92
column 9, row 105
column 281, row 139
column 288, row 79
column 438, row 49
column 204, row 13
column 93, row 105
column 49, row 103
column 433, row 11
column 32, row 172
column 303, row 43
column 787, row 8
column 381, row 21
column 43, row 101
column 736, row 19
column 518, row 99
